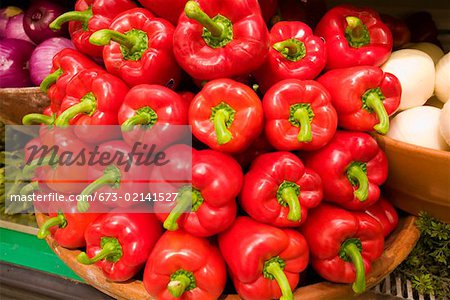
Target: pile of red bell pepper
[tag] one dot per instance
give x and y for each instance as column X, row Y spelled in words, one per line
column 284, row 173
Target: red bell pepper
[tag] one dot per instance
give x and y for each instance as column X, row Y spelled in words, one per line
column 354, row 37
column 295, row 54
column 247, row 79
column 88, row 17
column 385, row 214
column 48, row 164
column 138, row 49
column 120, row 243
column 299, row 115
column 264, row 261
column 206, row 205
column 259, row 146
column 306, row 11
column 278, row 190
column 221, row 38
column 364, row 97
column 93, row 97
column 67, row 226
column 343, row 244
column 400, row 31
column 120, row 178
column 166, row 9
column 184, row 267
column 226, row 115
column 159, row 110
column 66, row 64
column 352, row 168
column 187, row 96
column 268, row 9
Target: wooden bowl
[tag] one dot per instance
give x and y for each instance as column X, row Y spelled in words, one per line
column 397, row 248
column 419, row 178
column 17, row 102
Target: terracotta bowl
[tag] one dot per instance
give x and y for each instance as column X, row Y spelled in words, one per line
column 419, row 178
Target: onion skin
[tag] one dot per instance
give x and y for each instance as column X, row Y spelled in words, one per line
column 5, row 14
column 14, row 29
column 37, row 18
column 42, row 56
column 14, row 56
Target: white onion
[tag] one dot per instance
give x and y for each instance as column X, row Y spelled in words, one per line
column 415, row 71
column 418, row 126
column 442, row 85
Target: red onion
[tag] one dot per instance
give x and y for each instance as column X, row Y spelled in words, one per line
column 41, row 58
column 14, row 56
column 14, row 29
column 37, row 18
column 5, row 14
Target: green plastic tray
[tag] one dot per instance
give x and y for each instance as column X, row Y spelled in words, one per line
column 26, row 250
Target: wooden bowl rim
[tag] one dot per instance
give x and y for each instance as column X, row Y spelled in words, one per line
column 22, row 89
column 439, row 154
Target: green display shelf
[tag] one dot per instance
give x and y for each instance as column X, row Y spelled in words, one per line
column 26, row 250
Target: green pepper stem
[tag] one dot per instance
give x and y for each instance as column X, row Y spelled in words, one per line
column 178, row 285
column 289, row 195
column 291, row 49
column 222, row 132
column 111, row 250
column 111, row 177
column 104, row 36
column 28, row 170
column 44, row 231
column 137, row 119
column 356, row 32
column 83, row 205
column 31, row 119
column 193, row 11
column 50, row 80
column 80, row 16
column 143, row 116
column 375, row 103
column 356, row 173
column 29, row 188
column 352, row 251
column 301, row 115
column 276, row 271
column 184, row 202
column 86, row 105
